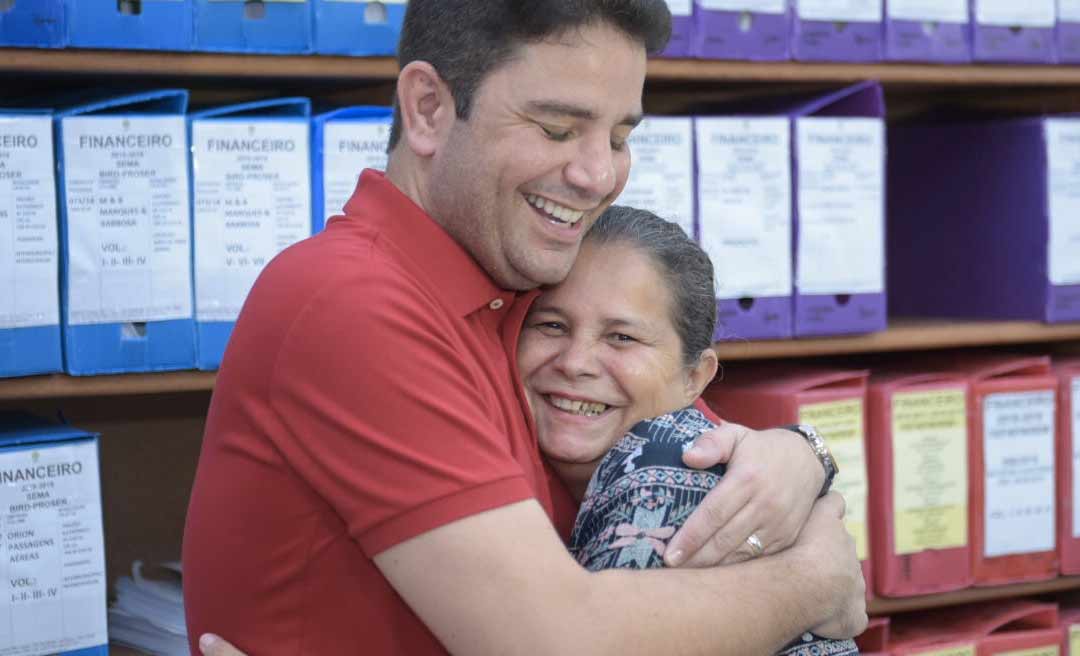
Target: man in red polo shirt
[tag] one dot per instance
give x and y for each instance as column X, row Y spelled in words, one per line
column 370, row 480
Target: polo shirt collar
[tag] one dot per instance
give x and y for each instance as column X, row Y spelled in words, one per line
column 461, row 282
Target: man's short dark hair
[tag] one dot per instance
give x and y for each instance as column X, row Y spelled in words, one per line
column 465, row 40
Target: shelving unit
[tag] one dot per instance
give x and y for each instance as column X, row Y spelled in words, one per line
column 152, row 423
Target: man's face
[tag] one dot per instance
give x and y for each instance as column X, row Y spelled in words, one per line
column 543, row 153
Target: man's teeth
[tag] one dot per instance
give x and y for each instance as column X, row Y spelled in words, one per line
column 587, row 408
column 564, row 214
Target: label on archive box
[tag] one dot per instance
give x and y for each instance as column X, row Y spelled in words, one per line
column 930, row 472
column 252, row 200
column 28, row 242
column 1075, row 390
column 1069, row 11
column 1010, row 13
column 680, row 7
column 349, row 147
column 128, row 223
column 52, row 555
column 755, row 6
column 1074, row 640
column 744, row 203
column 1063, row 183
column 842, row 423
column 841, row 197
column 662, row 176
column 962, row 650
column 1018, row 453
column 1048, row 650
column 866, row 11
column 941, row 11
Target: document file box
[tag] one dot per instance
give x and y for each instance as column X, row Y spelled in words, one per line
column 745, row 223
column 984, row 219
column 345, row 142
column 251, row 187
column 756, row 30
column 874, row 641
column 1011, row 31
column 682, row 28
column 269, row 26
column 662, row 177
column 33, row 23
column 918, row 465
column 29, row 250
column 832, row 400
column 1068, row 32
column 927, row 30
column 1011, row 420
column 1011, row 627
column 135, row 24
column 349, row 27
column 837, row 30
column 125, row 234
column 54, row 547
column 1068, row 456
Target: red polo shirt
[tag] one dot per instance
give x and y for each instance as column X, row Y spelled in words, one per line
column 366, row 396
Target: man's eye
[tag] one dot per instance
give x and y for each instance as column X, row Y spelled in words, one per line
column 618, row 145
column 551, row 327
column 556, row 135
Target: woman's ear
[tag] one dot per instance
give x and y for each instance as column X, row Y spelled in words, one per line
column 700, row 374
column 427, row 107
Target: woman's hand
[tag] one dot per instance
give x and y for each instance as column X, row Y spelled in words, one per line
column 772, row 480
column 212, row 645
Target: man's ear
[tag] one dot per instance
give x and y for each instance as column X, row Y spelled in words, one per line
column 427, row 107
column 701, row 374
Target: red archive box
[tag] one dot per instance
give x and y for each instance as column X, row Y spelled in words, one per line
column 1011, row 417
column 832, row 400
column 1010, row 628
column 1069, row 619
column 874, row 641
column 1068, row 428
column 918, row 463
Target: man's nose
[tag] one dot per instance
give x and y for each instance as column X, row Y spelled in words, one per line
column 592, row 171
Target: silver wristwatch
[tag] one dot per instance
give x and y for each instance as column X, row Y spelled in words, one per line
column 821, row 450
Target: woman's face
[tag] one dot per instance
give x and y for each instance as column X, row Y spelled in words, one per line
column 599, row 353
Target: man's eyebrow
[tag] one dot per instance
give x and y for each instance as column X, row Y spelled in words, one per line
column 557, row 108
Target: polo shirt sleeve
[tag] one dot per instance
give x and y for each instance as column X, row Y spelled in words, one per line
column 386, row 414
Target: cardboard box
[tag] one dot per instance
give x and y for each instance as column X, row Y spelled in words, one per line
column 251, row 194
column 1068, row 456
column 34, row 24
column 125, row 234
column 365, row 28
column 130, row 24
column 838, row 30
column 1011, row 31
column 29, row 248
column 50, row 496
column 345, row 141
column 682, row 28
column 984, row 218
column 271, row 26
column 928, row 31
column 756, row 30
column 1068, row 32
column 1005, row 627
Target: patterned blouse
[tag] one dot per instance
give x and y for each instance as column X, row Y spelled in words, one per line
column 642, row 493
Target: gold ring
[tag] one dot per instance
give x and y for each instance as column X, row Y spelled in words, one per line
column 756, row 547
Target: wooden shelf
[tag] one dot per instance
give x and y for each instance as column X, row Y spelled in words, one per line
column 882, row 606
column 174, row 65
column 905, row 335
column 60, row 386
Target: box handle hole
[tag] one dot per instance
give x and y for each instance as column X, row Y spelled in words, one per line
column 254, row 9
column 746, row 303
column 929, row 28
column 843, row 299
column 746, row 22
column 133, row 330
column 375, row 14
column 129, row 7
column 6, row 6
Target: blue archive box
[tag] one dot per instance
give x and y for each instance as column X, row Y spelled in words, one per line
column 267, row 26
column 132, row 24
column 345, row 141
column 50, row 492
column 33, row 23
column 125, row 234
column 353, row 27
column 251, row 194
column 29, row 252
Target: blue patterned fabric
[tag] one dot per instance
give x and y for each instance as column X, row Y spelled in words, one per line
column 641, row 493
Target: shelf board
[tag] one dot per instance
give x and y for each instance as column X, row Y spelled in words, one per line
column 904, row 335
column 61, row 386
column 322, row 67
column 881, row 606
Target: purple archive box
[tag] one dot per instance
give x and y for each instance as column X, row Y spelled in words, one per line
column 837, row 30
column 1014, row 31
column 928, row 31
column 1068, row 32
column 981, row 217
column 682, row 26
column 756, row 30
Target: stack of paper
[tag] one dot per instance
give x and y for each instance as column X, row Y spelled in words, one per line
column 149, row 614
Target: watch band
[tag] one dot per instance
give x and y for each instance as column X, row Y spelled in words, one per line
column 821, row 450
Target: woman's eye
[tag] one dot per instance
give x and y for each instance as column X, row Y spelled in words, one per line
column 622, row 338
column 556, row 135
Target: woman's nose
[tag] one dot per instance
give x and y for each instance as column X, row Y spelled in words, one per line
column 578, row 359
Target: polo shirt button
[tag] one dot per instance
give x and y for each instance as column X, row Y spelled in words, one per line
column 496, row 304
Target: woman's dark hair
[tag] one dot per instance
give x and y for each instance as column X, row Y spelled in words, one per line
column 465, row 40
column 686, row 268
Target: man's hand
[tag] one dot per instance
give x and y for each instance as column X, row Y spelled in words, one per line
column 829, row 549
column 772, row 481
column 212, row 645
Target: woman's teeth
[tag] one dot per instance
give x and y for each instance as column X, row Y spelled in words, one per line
column 586, row 408
column 557, row 212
